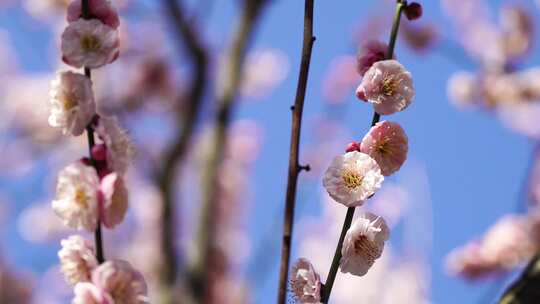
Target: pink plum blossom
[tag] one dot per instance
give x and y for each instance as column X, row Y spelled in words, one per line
column 352, row 178
column 386, row 143
column 121, row 281
column 76, row 201
column 506, row 245
column 305, row 282
column 371, row 52
column 118, row 144
column 115, row 202
column 103, row 10
column 72, row 103
column 363, row 244
column 388, row 86
column 88, row 293
column 89, row 43
column 77, row 259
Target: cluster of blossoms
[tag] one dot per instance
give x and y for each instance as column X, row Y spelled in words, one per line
column 512, row 241
column 91, row 191
column 354, row 177
column 497, row 48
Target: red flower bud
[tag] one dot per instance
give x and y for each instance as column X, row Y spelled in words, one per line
column 353, row 146
column 413, row 11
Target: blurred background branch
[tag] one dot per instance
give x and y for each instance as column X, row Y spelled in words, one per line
column 186, row 110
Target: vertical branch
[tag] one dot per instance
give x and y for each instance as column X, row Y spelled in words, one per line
column 187, row 111
column 294, row 166
column 228, row 84
column 85, row 11
column 326, row 291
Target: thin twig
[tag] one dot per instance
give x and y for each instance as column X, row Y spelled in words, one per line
column 228, row 85
column 187, row 112
column 294, row 167
column 350, row 211
column 100, row 256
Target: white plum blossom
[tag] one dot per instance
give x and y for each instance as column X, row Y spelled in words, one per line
column 77, row 201
column 352, row 178
column 388, row 86
column 89, row 43
column 115, row 197
column 119, row 147
column 121, row 281
column 72, row 103
column 363, row 244
column 77, row 259
column 305, row 282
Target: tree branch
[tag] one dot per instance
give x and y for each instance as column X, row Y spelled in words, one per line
column 294, row 166
column 228, row 84
column 187, row 112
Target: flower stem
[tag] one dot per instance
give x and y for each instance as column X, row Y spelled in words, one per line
column 294, row 167
column 85, row 12
column 327, row 289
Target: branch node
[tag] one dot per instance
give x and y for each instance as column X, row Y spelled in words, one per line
column 306, row 168
column 292, row 108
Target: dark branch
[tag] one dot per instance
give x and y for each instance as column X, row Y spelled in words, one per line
column 294, row 167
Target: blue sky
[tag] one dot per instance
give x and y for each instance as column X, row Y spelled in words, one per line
column 474, row 165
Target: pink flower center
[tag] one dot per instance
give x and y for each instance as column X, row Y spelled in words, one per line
column 90, row 43
column 352, row 179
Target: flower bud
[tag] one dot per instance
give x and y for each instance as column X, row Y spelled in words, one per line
column 99, row 152
column 413, row 11
column 353, row 146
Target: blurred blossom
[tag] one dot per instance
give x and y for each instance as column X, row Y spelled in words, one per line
column 517, row 29
column 72, row 103
column 370, row 52
column 115, row 200
column 328, row 139
column 89, row 43
column 39, row 223
column 120, row 281
column 419, row 37
column 103, row 10
column 26, row 95
column 120, row 151
column 522, row 118
column 46, row 10
column 505, row 246
column 341, row 78
column 77, row 259
column 462, row 89
column 477, row 33
column 406, row 284
column 263, row 71
column 77, row 198
column 245, row 141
